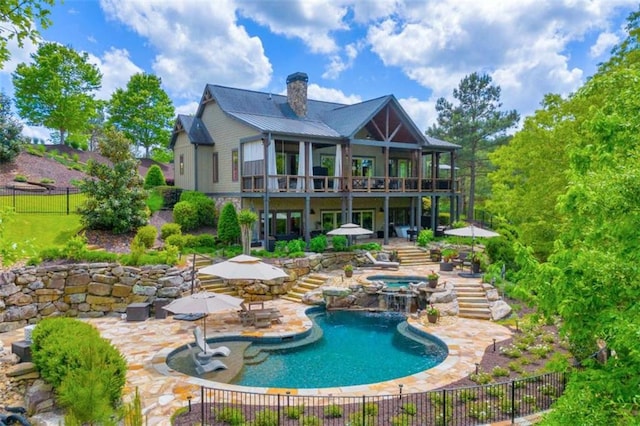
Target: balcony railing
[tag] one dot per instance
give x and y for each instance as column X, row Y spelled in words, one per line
column 294, row 183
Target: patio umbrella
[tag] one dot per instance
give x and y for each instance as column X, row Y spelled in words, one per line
column 473, row 232
column 244, row 267
column 350, row 229
column 204, row 302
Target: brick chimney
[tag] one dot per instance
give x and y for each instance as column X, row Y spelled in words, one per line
column 297, row 93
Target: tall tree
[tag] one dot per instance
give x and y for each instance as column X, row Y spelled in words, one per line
column 56, row 91
column 476, row 123
column 115, row 192
column 10, row 129
column 143, row 112
column 17, row 18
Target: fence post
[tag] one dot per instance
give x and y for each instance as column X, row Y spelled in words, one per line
column 14, row 200
column 364, row 411
column 202, row 405
column 513, row 401
column 67, row 201
column 444, row 407
column 279, row 408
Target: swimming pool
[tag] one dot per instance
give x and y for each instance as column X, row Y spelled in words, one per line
column 353, row 348
column 398, row 280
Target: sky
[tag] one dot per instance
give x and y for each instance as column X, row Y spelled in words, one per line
column 352, row 50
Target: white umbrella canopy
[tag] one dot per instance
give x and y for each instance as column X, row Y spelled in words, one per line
column 204, row 302
column 350, row 229
column 244, row 267
column 471, row 231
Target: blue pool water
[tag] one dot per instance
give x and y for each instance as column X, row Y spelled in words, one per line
column 398, row 280
column 356, row 348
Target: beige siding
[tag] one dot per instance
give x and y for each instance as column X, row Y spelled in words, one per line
column 205, row 169
column 184, row 147
column 226, row 133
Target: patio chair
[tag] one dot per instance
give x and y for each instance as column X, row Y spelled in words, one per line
column 380, row 263
column 462, row 260
column 207, row 366
column 205, row 348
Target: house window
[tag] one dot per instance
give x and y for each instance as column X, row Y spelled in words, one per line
column 234, row 165
column 214, row 167
column 181, row 164
column 287, row 222
column 362, row 166
column 332, row 219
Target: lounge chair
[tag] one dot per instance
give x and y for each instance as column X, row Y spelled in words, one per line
column 207, row 366
column 205, row 348
column 380, row 263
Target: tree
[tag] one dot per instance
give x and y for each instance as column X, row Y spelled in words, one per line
column 476, row 123
column 228, row 226
column 10, row 129
column 17, row 19
column 115, row 193
column 154, row 177
column 246, row 219
column 56, row 90
column 143, row 112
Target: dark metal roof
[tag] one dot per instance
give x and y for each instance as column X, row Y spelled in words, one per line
column 195, row 128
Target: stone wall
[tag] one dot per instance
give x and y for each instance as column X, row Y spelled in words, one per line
column 87, row 290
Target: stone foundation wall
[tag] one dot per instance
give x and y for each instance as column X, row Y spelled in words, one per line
column 87, row 290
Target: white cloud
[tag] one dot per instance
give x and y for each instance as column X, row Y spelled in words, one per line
column 337, row 64
column 523, row 45
column 603, row 45
column 195, row 44
column 423, row 113
column 331, row 95
column 116, row 68
column 188, row 108
column 36, row 132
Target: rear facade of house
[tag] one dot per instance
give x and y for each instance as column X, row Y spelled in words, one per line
column 306, row 167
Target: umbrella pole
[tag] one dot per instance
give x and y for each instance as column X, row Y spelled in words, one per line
column 205, row 333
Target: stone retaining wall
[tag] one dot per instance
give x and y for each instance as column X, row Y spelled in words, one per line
column 91, row 290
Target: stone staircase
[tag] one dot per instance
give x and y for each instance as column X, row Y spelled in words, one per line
column 211, row 282
column 413, row 256
column 304, row 285
column 472, row 301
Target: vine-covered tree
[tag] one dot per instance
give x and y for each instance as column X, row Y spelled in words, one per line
column 228, row 226
column 476, row 123
column 56, row 90
column 115, row 193
column 143, row 112
column 17, row 19
column 10, row 129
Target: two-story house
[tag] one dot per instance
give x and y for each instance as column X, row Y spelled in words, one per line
column 308, row 166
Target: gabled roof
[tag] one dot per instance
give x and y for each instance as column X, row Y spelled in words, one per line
column 195, row 128
column 267, row 112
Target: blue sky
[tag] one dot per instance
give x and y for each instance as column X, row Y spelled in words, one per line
column 351, row 50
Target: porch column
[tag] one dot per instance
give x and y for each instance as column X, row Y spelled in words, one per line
column 419, row 213
column 307, row 220
column 265, row 229
column 350, row 180
column 386, row 220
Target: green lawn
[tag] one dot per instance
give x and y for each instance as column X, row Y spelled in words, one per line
column 44, row 230
column 35, row 203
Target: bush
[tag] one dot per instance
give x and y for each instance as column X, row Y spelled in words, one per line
column 339, row 243
column 296, row 246
column 228, row 226
column 170, row 195
column 333, row 411
column 185, row 215
column 177, row 240
column 318, row 244
column 154, row 177
column 205, row 207
column 266, row 417
column 230, row 415
column 425, row 237
column 154, row 202
column 20, row 178
column 147, row 235
column 294, row 412
column 499, row 372
column 169, row 229
column 310, row 421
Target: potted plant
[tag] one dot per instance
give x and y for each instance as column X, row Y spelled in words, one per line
column 476, row 262
column 432, row 314
column 447, row 256
column 432, row 277
column 348, row 270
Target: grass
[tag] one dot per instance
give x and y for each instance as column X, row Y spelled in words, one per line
column 36, row 204
column 42, row 230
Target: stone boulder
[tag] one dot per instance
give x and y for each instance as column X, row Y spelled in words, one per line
column 336, row 291
column 492, row 294
column 500, row 309
column 448, row 309
column 39, row 397
column 446, row 296
column 313, row 297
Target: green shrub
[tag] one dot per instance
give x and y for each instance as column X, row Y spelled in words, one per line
column 47, row 180
column 154, row 177
column 147, row 235
column 296, row 246
column 515, row 367
column 170, row 195
column 168, row 229
column 511, row 351
column 205, row 206
column 403, row 419
column 20, row 178
column 425, row 237
column 480, row 410
column 467, row 395
column 357, row 418
column 137, row 250
column 409, row 408
column 154, row 201
column 228, row 226
column 333, row 411
column 294, row 412
column 481, row 378
column 75, row 248
column 310, row 421
column 339, row 243
column 230, row 415
column 496, row 391
column 507, row 407
column 206, row 240
column 318, row 244
column 132, row 412
column 176, row 240
column 371, row 409
column 176, row 414
column 498, row 371
column 185, row 215
column 266, row 417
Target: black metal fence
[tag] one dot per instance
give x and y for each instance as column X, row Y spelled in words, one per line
column 42, row 200
column 475, row 405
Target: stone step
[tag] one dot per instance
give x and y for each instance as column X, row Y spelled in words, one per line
column 479, row 313
column 291, row 298
column 466, row 299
